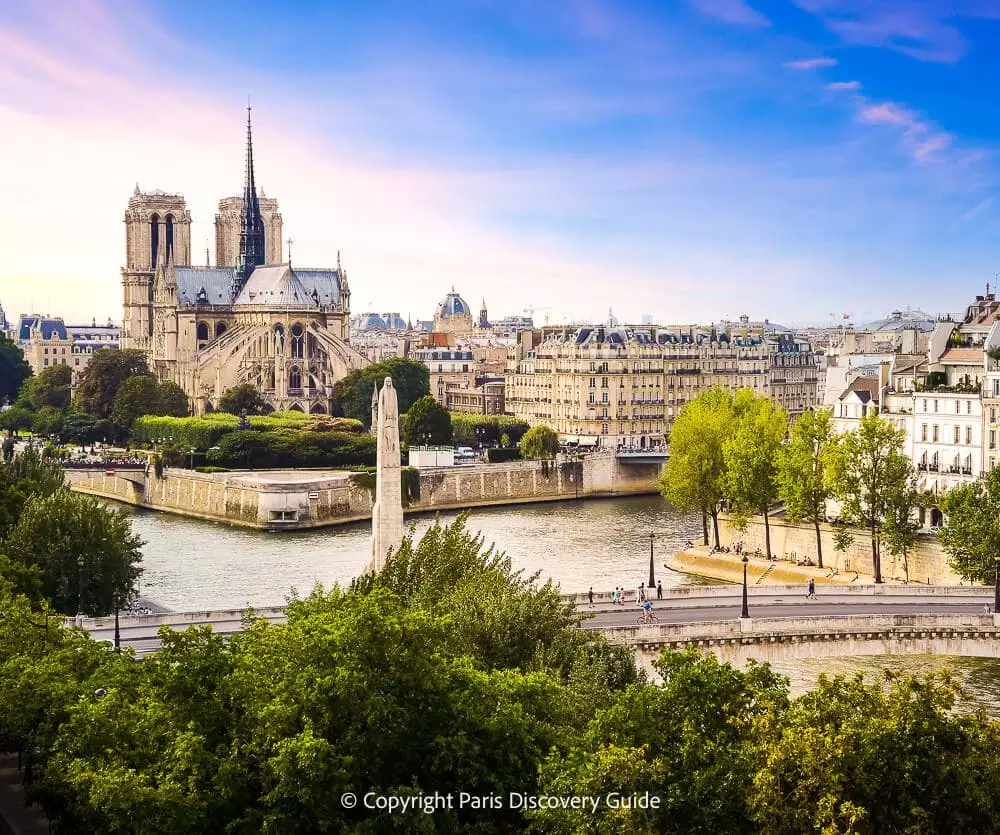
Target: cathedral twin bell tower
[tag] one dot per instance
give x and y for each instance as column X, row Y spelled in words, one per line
column 248, row 233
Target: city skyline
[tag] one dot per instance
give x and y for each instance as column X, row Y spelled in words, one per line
column 784, row 160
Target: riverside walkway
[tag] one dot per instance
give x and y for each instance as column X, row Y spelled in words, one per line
column 709, row 617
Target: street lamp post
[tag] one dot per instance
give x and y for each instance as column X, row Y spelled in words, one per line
column 746, row 607
column 79, row 579
column 996, row 589
column 652, row 578
column 118, row 640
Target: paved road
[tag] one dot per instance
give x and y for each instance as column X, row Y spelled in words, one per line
column 686, row 610
column 700, row 610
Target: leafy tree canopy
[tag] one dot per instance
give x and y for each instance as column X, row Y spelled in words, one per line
column 52, row 532
column 802, row 471
column 971, row 533
column 100, row 380
column 540, row 442
column 16, row 419
column 50, row 388
column 244, row 397
column 427, row 421
column 353, row 394
column 694, row 476
column 14, row 369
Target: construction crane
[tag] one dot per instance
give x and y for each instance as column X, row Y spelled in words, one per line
column 531, row 312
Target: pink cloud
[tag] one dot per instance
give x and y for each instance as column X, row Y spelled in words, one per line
column 931, row 146
column 811, row 63
column 736, row 12
column 888, row 113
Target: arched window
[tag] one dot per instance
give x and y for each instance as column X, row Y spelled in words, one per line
column 203, row 332
column 170, row 237
column 220, row 328
column 154, row 239
column 297, row 341
column 295, row 378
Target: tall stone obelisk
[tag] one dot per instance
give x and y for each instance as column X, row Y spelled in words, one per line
column 387, row 512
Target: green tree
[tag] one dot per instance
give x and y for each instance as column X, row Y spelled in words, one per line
column 14, row 369
column 694, row 474
column 427, row 421
column 539, row 442
column 171, row 401
column 136, row 396
column 23, row 476
column 971, row 533
column 83, row 429
column 902, row 525
column 868, row 470
column 353, row 394
column 689, row 743
column 244, row 397
column 48, row 421
column 751, row 454
column 50, row 388
column 857, row 757
column 100, row 380
column 53, row 532
column 16, row 419
column 802, row 472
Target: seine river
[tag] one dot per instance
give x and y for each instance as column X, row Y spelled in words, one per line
column 190, row 565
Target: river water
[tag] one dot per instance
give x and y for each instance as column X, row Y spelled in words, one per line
column 191, row 564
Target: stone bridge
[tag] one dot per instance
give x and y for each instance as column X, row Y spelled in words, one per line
column 790, row 638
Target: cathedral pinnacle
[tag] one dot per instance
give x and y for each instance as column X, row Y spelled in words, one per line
column 251, row 223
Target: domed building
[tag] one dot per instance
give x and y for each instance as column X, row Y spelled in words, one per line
column 378, row 322
column 453, row 315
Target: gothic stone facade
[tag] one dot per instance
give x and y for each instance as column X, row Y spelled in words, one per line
column 285, row 330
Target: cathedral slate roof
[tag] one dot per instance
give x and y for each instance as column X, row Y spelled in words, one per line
column 217, row 284
column 277, row 285
column 215, row 281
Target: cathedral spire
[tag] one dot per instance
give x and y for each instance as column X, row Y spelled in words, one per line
column 251, row 224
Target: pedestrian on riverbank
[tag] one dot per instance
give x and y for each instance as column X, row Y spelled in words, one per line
column 614, row 597
column 811, row 595
column 590, row 595
column 659, row 590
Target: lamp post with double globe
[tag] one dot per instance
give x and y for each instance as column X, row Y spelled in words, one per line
column 652, row 578
column 746, row 607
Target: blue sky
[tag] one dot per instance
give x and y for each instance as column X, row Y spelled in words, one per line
column 692, row 159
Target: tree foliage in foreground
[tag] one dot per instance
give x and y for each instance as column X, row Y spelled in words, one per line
column 450, row 671
column 353, row 393
column 100, row 380
column 14, row 369
column 245, row 397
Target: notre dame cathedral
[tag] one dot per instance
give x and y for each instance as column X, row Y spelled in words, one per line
column 249, row 319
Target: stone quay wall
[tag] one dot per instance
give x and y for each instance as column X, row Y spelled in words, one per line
column 928, row 563
column 297, row 499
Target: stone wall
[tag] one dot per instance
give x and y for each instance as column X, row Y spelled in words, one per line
column 296, row 499
column 927, row 562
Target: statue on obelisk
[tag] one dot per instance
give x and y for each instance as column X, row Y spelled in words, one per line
column 387, row 512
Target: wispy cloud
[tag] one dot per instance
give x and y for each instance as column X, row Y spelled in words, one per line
column 811, row 63
column 735, row 12
column 843, row 86
column 920, row 139
column 922, row 29
column 888, row 113
column 980, row 207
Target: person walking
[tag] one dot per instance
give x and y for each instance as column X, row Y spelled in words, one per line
column 659, row 590
column 638, row 595
column 812, row 589
column 590, row 595
column 614, row 597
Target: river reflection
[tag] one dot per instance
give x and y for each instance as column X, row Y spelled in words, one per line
column 190, row 564
column 978, row 677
